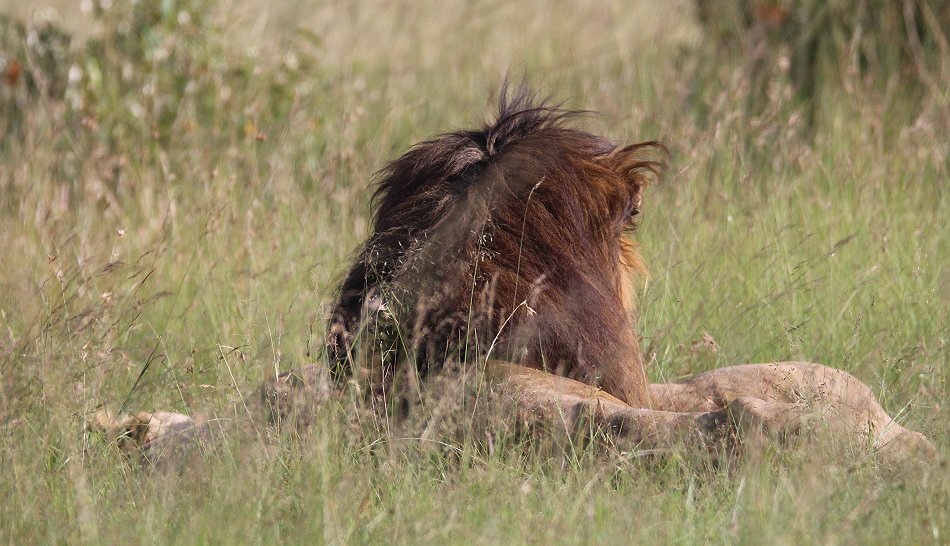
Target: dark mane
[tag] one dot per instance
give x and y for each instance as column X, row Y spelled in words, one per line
column 453, row 161
column 506, row 239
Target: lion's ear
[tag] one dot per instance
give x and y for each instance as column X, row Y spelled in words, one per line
column 638, row 165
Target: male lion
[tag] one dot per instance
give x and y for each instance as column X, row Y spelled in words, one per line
column 504, row 249
column 505, row 246
column 511, row 235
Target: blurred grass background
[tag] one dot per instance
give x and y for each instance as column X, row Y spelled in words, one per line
column 182, row 183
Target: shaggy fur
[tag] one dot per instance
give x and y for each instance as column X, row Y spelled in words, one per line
column 505, row 242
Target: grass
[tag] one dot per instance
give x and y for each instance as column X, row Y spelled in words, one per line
column 183, row 183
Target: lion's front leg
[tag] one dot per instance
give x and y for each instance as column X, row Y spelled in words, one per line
column 155, row 437
column 569, row 404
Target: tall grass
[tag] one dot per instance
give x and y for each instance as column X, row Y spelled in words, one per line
column 181, row 183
